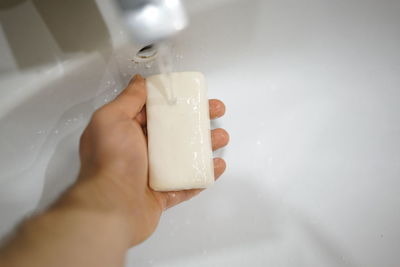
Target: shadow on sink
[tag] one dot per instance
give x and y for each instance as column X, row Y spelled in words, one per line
column 44, row 31
column 63, row 166
column 237, row 214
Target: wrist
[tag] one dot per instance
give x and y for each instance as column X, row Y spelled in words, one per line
column 87, row 201
column 108, row 197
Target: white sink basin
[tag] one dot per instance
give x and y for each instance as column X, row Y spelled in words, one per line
column 312, row 90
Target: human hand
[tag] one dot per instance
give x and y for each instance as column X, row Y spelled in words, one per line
column 114, row 162
column 111, row 203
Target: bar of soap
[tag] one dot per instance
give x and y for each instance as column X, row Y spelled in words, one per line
column 179, row 137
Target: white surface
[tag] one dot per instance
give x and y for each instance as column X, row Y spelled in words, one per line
column 178, row 130
column 312, row 91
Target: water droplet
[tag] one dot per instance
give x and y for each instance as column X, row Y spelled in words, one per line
column 148, row 65
column 56, row 131
column 115, row 90
column 108, row 82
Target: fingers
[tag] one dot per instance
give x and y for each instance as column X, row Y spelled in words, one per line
column 174, row 198
column 217, row 108
column 133, row 98
column 219, row 138
column 219, row 167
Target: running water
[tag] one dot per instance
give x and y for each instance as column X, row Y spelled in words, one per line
column 164, row 62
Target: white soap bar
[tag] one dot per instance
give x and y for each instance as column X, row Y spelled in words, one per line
column 179, row 138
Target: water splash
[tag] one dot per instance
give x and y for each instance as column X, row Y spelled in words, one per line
column 179, row 57
column 148, row 65
column 164, row 62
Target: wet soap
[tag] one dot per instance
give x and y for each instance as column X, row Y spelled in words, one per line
column 178, row 129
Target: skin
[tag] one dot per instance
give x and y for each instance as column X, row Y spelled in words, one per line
column 111, row 206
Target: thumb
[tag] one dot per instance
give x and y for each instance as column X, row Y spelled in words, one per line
column 133, row 98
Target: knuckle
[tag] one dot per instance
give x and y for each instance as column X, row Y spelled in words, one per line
column 83, row 137
column 98, row 114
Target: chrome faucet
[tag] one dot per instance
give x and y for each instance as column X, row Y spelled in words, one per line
column 151, row 21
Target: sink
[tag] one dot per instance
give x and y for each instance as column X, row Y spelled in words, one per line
column 312, row 95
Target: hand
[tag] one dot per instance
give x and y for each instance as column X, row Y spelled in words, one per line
column 111, row 203
column 114, row 162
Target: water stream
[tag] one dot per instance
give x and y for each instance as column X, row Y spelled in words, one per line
column 165, row 63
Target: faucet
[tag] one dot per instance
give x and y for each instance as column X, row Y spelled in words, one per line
column 152, row 21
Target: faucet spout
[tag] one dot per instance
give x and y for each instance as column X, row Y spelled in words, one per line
column 151, row 21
